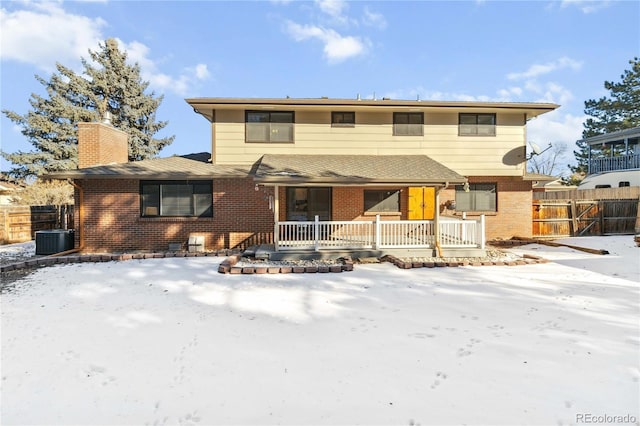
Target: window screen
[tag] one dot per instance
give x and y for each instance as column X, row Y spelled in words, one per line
column 479, row 197
column 382, row 200
column 176, row 198
column 274, row 126
column 408, row 123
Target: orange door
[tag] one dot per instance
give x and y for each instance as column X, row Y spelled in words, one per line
column 422, row 203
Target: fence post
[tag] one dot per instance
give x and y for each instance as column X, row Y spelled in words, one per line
column 601, row 216
column 482, row 232
column 574, row 218
column 316, row 233
column 377, row 233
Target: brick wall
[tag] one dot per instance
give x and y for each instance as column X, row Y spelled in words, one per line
column 100, row 144
column 112, row 221
column 513, row 217
column 347, row 203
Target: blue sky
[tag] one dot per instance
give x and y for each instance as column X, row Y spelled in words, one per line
column 538, row 51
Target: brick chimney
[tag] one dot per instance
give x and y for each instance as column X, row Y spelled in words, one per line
column 100, row 144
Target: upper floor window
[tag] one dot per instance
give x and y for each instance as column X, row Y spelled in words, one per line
column 477, row 197
column 408, row 123
column 477, row 125
column 176, row 198
column 343, row 119
column 269, row 126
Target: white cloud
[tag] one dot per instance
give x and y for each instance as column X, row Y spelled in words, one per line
column 586, row 6
column 557, row 128
column 373, row 19
column 337, row 48
column 537, row 70
column 44, row 33
column 181, row 84
column 510, row 93
column 47, row 34
column 202, row 72
column 333, row 8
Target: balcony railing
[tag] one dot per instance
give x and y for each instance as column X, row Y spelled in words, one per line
column 378, row 234
column 610, row 164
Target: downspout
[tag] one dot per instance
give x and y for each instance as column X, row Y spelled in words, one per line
column 80, row 224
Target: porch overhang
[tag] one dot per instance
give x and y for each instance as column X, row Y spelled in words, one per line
column 354, row 170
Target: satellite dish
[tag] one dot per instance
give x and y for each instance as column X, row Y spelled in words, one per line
column 536, row 149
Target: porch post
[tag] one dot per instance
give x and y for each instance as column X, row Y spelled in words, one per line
column 626, row 153
column 377, row 233
column 276, row 217
column 482, row 232
column 436, row 222
column 316, row 233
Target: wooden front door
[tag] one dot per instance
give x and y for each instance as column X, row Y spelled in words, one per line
column 422, row 203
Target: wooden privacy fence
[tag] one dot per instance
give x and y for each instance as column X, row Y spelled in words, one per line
column 577, row 217
column 20, row 223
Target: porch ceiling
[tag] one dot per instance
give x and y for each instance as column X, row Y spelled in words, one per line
column 354, row 170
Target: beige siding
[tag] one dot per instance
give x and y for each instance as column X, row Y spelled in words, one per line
column 498, row 155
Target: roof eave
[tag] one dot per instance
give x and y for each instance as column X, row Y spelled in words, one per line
column 154, row 176
column 205, row 105
column 272, row 181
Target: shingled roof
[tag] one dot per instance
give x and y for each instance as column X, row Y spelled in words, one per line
column 286, row 169
column 353, row 170
column 191, row 166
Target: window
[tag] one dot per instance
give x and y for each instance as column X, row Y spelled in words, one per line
column 307, row 203
column 381, row 201
column 477, row 125
column 269, row 126
column 624, row 183
column 408, row 123
column 176, row 198
column 343, row 119
column 479, row 197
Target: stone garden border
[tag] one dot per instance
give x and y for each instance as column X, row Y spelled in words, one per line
column 227, row 266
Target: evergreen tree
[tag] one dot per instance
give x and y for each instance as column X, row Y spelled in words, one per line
column 618, row 111
column 112, row 86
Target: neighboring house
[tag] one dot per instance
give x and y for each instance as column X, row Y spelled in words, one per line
column 348, row 163
column 614, row 160
column 546, row 183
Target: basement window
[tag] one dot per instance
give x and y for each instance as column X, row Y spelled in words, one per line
column 176, row 199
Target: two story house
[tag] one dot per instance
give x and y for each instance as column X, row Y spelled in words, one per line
column 327, row 166
column 613, row 160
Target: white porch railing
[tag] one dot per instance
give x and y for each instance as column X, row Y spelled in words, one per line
column 378, row 234
column 610, row 164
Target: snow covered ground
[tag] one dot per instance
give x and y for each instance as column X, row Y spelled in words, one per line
column 171, row 341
